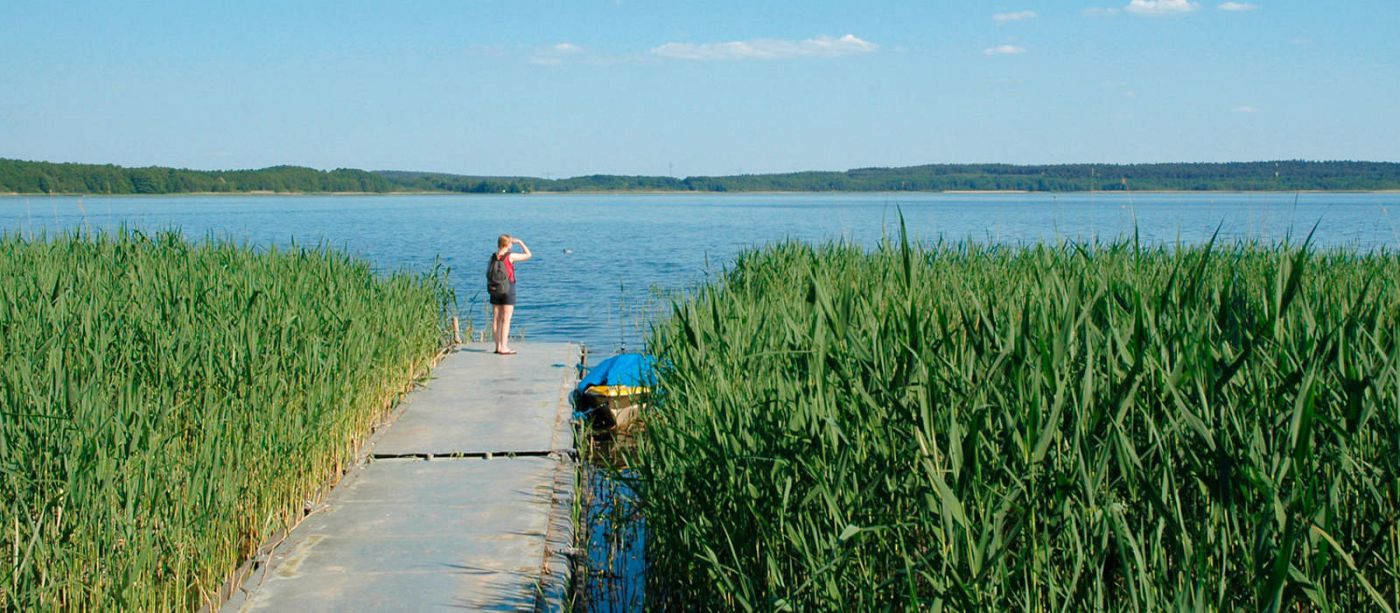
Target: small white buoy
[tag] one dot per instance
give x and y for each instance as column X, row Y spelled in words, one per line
column 568, row 252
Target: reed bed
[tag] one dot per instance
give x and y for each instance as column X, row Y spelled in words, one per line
column 1038, row 428
column 165, row 406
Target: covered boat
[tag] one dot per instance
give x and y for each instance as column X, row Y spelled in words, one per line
column 613, row 391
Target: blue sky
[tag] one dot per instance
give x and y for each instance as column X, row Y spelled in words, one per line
column 696, row 88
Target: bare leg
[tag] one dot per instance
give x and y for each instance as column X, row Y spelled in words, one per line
column 496, row 327
column 507, row 310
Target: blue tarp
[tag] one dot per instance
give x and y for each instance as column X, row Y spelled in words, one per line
column 629, row 369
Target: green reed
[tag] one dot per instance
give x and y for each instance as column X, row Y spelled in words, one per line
column 165, row 406
column 1048, row 428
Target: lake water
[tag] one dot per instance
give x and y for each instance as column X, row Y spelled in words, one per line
column 598, row 257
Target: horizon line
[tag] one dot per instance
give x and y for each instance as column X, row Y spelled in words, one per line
column 704, row 176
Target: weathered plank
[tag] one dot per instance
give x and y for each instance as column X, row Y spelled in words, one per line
column 405, row 532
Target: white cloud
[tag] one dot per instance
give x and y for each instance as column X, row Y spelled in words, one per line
column 1099, row 11
column 766, row 49
column 557, row 54
column 1004, row 50
column 1155, row 8
column 1243, row 109
column 1014, row 16
column 1237, row 6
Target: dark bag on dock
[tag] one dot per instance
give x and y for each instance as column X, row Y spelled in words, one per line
column 497, row 279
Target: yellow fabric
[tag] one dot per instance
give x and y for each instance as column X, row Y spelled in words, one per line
column 613, row 391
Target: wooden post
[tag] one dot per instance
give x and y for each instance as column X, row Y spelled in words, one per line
column 456, row 331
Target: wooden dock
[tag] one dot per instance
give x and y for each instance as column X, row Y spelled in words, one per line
column 464, row 503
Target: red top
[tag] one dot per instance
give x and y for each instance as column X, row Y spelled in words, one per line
column 510, row 266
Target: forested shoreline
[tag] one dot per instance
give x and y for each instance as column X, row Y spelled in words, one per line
column 29, row 177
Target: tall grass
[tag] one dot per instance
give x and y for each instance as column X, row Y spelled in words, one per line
column 1049, row 428
column 165, row 406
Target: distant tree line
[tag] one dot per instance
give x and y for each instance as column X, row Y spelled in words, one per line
column 1291, row 175
column 1231, row 176
column 437, row 182
column 49, row 178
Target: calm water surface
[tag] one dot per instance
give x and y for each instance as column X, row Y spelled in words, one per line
column 599, row 257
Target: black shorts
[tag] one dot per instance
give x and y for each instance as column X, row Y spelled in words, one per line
column 505, row 298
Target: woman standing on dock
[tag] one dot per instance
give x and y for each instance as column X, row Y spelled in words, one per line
column 500, row 284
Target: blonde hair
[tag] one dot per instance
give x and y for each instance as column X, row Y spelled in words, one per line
column 503, row 241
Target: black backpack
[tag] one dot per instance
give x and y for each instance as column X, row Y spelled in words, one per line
column 497, row 279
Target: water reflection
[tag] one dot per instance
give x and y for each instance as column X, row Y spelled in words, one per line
column 613, row 573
